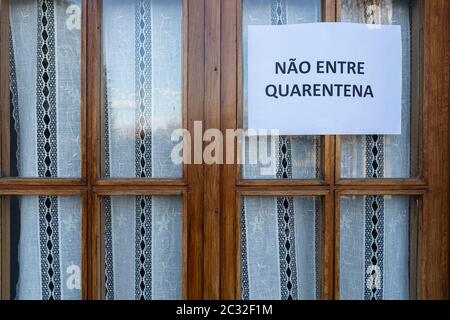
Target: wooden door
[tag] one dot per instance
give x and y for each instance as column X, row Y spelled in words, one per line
column 378, row 215
column 236, row 230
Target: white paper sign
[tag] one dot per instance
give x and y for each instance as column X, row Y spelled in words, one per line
column 325, row 79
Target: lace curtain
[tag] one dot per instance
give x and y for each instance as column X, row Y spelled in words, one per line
column 375, row 248
column 375, row 230
column 143, row 88
column 281, row 236
column 45, row 57
column 142, row 106
column 295, row 157
column 281, row 241
column 381, row 156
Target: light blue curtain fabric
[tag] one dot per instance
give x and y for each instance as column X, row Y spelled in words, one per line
column 143, row 248
column 142, row 51
column 281, row 248
column 374, row 248
column 375, row 230
column 45, row 60
column 143, row 86
column 294, row 157
column 381, row 156
column 280, row 236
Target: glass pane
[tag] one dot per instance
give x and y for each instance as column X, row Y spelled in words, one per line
column 45, row 242
column 143, row 247
column 377, row 157
column 281, row 248
column 142, row 87
column 45, row 84
column 378, row 238
column 295, row 157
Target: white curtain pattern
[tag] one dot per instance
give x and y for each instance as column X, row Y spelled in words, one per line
column 49, row 249
column 296, row 157
column 281, row 248
column 280, row 235
column 380, row 272
column 45, row 59
column 143, row 248
column 142, row 105
column 374, row 229
column 142, row 51
column 392, row 154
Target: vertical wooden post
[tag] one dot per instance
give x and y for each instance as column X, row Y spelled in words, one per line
column 212, row 181
column 434, row 251
column 230, row 227
column 330, row 166
column 195, row 174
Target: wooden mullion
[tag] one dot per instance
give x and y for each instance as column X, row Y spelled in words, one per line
column 278, row 183
column 212, row 172
column 84, row 96
column 42, row 190
column 229, row 221
column 283, row 193
column 329, row 10
column 195, row 173
column 30, row 182
column 383, row 192
column 94, row 88
column 416, row 89
column 140, row 183
column 302, row 189
column 383, row 183
column 239, row 61
column 96, row 281
column 93, row 80
column 329, row 159
column 159, row 191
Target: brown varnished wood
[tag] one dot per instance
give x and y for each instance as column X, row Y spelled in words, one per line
column 329, row 8
column 133, row 183
column 195, row 173
column 93, row 12
column 229, row 219
column 213, row 93
column 33, row 182
column 39, row 191
column 419, row 186
column 212, row 210
column 434, row 264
